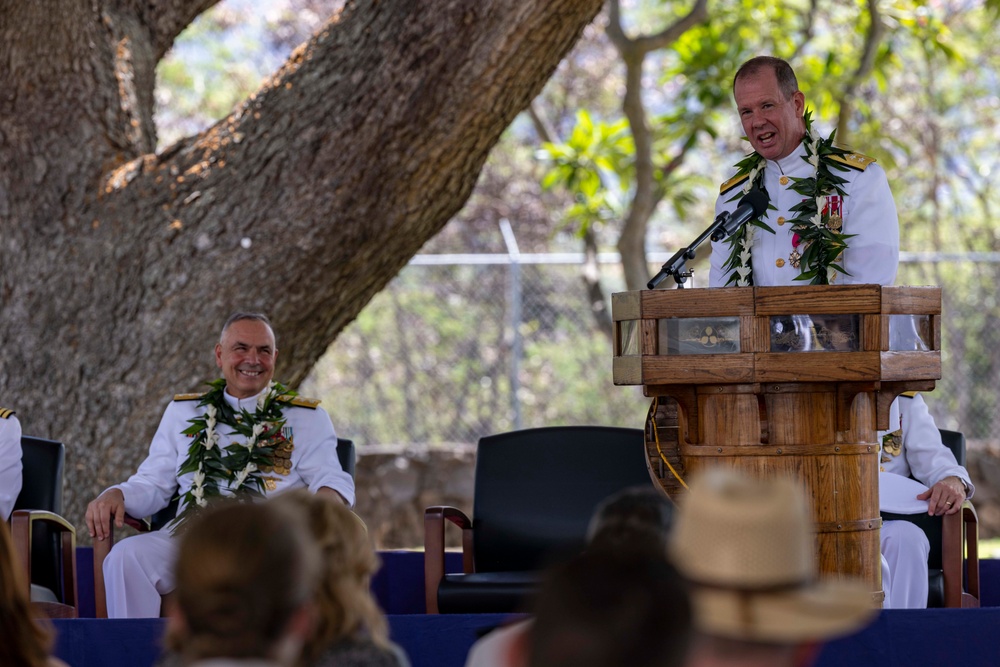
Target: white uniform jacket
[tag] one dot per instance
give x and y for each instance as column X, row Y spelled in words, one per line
column 922, row 454
column 867, row 211
column 314, row 458
column 10, row 462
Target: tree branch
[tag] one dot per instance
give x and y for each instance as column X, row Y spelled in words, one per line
column 867, row 62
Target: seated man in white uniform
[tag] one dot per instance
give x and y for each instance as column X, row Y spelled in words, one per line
column 10, row 462
column 913, row 448
column 139, row 569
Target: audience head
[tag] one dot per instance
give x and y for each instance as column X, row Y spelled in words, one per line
column 245, row 575
column 344, row 602
column 605, row 609
column 22, row 640
column 637, row 518
column 747, row 548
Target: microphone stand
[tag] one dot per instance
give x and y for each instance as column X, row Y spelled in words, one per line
column 676, row 265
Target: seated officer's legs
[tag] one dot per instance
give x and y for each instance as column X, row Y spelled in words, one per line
column 905, row 549
column 137, row 571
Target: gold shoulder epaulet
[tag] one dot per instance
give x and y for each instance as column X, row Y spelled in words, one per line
column 6, row 413
column 909, row 394
column 301, row 401
column 188, row 397
column 854, row 160
column 732, row 183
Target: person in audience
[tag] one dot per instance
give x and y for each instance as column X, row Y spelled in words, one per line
column 10, row 461
column 638, row 518
column 350, row 630
column 24, row 641
column 138, row 569
column 607, row 608
column 245, row 576
column 914, row 447
column 747, row 549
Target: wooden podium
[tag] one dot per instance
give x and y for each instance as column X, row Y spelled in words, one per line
column 782, row 381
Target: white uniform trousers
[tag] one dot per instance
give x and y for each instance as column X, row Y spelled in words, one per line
column 146, row 562
column 904, row 552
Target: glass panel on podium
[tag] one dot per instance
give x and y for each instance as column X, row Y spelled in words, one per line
column 628, row 338
column 699, row 335
column 910, row 333
column 815, row 333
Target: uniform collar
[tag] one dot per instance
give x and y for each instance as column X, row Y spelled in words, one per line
column 249, row 404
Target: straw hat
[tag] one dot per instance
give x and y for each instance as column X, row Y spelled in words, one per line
column 748, row 548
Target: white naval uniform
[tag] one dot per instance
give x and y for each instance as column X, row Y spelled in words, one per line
column 10, row 462
column 904, row 545
column 868, row 211
column 139, row 569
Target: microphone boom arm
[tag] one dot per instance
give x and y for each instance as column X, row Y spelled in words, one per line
column 675, row 266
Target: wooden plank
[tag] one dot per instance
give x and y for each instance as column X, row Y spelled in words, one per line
column 626, row 306
column 899, row 366
column 716, row 302
column 907, row 300
column 626, row 370
column 816, row 366
column 776, row 451
column 649, row 337
column 698, row 369
column 871, row 332
column 817, row 299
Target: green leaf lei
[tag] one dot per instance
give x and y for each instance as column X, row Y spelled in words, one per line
column 238, row 466
column 817, row 228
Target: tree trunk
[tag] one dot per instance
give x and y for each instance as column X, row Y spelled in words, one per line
column 118, row 266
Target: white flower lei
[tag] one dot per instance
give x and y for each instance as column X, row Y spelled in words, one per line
column 816, row 227
column 237, row 467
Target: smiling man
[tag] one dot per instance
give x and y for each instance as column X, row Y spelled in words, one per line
column 281, row 442
column 812, row 184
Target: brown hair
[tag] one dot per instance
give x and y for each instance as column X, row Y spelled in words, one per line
column 344, row 600
column 23, row 641
column 783, row 72
column 243, row 570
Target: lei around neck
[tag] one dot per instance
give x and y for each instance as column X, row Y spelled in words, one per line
column 817, row 228
column 238, row 467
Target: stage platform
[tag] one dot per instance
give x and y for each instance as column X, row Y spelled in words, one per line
column 903, row 638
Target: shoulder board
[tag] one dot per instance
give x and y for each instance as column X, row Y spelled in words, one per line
column 732, row 183
column 188, row 397
column 910, row 394
column 854, row 160
column 6, row 413
column 301, row 401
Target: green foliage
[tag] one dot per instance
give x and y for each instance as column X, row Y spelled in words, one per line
column 594, row 165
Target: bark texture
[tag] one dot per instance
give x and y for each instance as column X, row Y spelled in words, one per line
column 118, row 265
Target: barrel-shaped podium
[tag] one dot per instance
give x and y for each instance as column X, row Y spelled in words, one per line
column 792, row 381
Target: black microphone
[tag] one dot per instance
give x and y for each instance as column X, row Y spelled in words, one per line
column 751, row 206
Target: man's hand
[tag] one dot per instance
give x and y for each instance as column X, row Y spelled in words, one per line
column 102, row 509
column 945, row 497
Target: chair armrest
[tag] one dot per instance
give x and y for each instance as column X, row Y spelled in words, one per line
column 960, row 557
column 434, row 518
column 21, row 522
column 101, row 550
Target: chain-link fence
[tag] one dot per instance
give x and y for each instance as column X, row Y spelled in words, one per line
column 460, row 346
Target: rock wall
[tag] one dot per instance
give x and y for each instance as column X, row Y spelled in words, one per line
column 396, row 483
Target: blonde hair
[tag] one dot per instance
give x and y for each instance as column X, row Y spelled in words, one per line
column 345, row 605
column 23, row 641
column 243, row 571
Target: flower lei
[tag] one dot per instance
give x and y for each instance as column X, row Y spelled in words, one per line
column 238, row 466
column 814, row 224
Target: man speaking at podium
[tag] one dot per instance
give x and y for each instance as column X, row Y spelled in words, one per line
column 831, row 218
